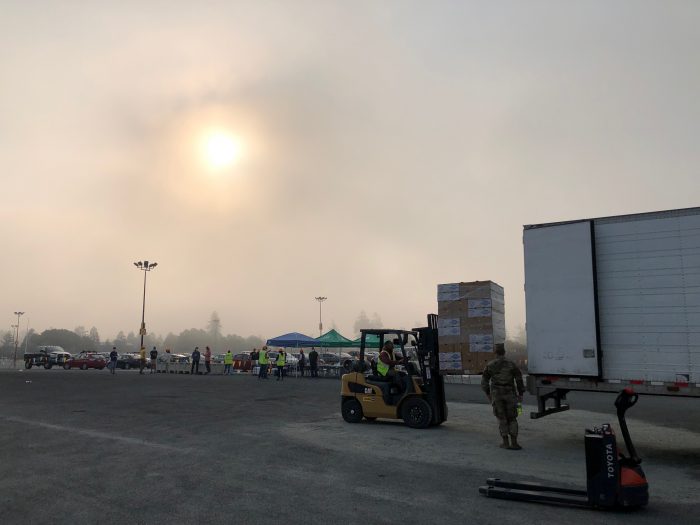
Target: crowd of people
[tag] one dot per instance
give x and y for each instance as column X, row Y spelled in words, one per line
column 259, row 358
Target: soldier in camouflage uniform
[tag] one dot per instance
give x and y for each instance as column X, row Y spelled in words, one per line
column 503, row 384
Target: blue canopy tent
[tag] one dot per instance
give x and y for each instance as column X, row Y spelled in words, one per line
column 293, row 340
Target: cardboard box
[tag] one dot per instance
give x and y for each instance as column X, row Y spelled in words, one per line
column 471, row 320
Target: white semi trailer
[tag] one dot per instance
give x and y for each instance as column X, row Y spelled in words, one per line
column 613, row 302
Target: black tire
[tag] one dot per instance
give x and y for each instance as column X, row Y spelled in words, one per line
column 127, row 366
column 416, row 413
column 27, row 364
column 83, row 366
column 352, row 410
column 66, row 366
column 47, row 366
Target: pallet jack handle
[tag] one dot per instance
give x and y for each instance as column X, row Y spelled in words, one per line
column 627, row 399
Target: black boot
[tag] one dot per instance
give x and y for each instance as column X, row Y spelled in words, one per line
column 514, row 442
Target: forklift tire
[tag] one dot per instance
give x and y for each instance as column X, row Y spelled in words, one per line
column 416, row 413
column 352, row 411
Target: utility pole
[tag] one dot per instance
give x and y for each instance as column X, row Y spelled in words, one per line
column 146, row 267
column 14, row 360
column 320, row 318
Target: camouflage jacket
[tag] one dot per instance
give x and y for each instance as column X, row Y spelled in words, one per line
column 502, row 372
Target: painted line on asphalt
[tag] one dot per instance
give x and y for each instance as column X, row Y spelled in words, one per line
column 94, row 434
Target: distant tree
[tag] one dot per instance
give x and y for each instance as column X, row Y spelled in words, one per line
column 120, row 341
column 94, row 335
column 80, row 331
column 214, row 327
column 29, row 336
column 69, row 341
column 376, row 321
column 361, row 322
column 133, row 341
column 170, row 341
column 7, row 343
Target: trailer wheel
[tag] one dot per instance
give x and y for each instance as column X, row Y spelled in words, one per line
column 416, row 413
column 352, row 411
column 27, row 364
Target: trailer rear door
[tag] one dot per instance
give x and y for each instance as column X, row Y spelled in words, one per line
column 560, row 296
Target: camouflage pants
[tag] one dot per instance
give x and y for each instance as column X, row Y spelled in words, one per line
column 505, row 408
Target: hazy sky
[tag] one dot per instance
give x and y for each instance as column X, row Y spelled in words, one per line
column 385, row 147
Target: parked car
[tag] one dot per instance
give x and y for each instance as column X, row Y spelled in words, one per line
column 127, row 361
column 243, row 356
column 85, row 360
column 343, row 359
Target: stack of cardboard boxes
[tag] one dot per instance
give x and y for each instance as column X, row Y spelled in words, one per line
column 471, row 319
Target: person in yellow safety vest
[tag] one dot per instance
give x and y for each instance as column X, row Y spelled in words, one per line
column 281, row 361
column 386, row 365
column 228, row 361
column 262, row 361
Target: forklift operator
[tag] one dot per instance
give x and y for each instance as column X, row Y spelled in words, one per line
column 386, row 364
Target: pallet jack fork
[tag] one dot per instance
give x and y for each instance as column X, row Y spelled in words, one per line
column 613, row 479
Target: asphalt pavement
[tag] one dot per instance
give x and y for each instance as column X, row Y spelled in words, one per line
column 88, row 447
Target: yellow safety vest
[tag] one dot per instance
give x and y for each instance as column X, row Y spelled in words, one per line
column 281, row 358
column 262, row 358
column 228, row 359
column 382, row 367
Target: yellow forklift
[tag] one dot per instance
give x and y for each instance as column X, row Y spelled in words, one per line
column 420, row 402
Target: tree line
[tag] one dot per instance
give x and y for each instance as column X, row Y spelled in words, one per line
column 79, row 339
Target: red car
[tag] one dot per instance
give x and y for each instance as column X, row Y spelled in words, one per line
column 85, row 360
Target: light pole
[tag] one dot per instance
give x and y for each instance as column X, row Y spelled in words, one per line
column 320, row 319
column 146, row 267
column 14, row 359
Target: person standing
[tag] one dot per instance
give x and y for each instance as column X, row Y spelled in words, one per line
column 167, row 360
column 254, row 355
column 194, row 369
column 502, row 382
column 313, row 362
column 262, row 361
column 228, row 361
column 207, row 360
column 154, row 361
column 113, row 356
column 302, row 362
column 280, row 362
column 142, row 359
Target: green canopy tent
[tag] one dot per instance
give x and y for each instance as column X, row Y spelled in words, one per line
column 371, row 341
column 333, row 339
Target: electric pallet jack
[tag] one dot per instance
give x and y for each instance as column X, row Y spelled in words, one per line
column 613, row 479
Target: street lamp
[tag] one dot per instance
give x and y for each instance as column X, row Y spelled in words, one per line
column 146, row 267
column 320, row 319
column 14, row 360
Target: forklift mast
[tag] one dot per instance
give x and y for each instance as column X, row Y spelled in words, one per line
column 429, row 361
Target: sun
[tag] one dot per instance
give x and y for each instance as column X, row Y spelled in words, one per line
column 221, row 150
